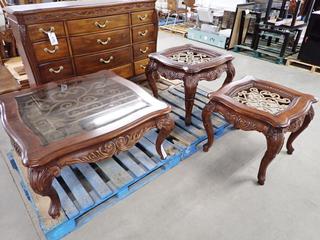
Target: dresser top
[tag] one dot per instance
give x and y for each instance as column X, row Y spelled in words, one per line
column 67, row 5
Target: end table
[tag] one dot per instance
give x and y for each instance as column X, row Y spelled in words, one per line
column 266, row 107
column 190, row 64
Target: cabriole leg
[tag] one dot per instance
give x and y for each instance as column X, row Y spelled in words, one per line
column 206, row 119
column 40, row 179
column 275, row 140
column 308, row 118
column 190, row 88
column 165, row 125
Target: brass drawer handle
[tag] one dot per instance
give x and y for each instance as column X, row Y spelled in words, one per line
column 145, row 50
column 106, row 61
column 103, row 25
column 56, row 71
column 46, row 32
column 143, row 67
column 142, row 18
column 47, row 50
column 104, row 42
column 144, row 33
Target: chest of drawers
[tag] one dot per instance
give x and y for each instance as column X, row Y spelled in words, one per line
column 92, row 36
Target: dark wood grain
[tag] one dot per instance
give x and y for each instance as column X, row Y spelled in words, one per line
column 81, row 24
column 45, row 159
column 294, row 118
column 163, row 64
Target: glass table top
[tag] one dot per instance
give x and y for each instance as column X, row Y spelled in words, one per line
column 263, row 100
column 76, row 107
column 190, row 57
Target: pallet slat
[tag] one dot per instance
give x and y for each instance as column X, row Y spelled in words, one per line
column 131, row 164
column 115, row 172
column 143, row 158
column 78, row 191
column 94, row 179
column 69, row 208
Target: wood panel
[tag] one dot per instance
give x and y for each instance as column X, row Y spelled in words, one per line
column 56, row 70
column 97, row 24
column 100, row 42
column 143, row 17
column 44, row 51
column 37, row 32
column 105, row 60
column 144, row 33
column 142, row 50
column 140, row 66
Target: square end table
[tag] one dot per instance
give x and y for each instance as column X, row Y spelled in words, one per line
column 84, row 119
column 189, row 64
column 266, row 107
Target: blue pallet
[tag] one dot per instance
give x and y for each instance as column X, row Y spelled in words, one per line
column 86, row 189
column 163, row 21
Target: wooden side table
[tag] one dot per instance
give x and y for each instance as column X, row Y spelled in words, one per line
column 81, row 120
column 190, row 64
column 269, row 108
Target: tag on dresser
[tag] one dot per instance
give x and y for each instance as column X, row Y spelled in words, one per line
column 53, row 38
column 64, row 87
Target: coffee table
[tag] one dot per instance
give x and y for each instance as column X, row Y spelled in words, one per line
column 266, row 107
column 189, row 64
column 79, row 120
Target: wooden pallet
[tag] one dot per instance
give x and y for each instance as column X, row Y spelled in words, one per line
column 180, row 28
column 294, row 62
column 263, row 53
column 86, row 189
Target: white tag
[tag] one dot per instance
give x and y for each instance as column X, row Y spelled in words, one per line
column 247, row 11
column 53, row 38
column 64, row 87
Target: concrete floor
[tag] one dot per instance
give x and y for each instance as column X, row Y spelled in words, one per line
column 212, row 195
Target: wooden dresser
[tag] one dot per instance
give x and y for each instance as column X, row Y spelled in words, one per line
column 95, row 35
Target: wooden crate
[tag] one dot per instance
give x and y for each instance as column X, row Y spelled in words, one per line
column 86, row 189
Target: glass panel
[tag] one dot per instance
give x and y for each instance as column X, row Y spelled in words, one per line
column 263, row 100
column 73, row 108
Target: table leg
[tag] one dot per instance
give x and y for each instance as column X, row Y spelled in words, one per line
column 40, row 179
column 151, row 71
column 206, row 119
column 308, row 118
column 275, row 140
column 231, row 71
column 165, row 125
column 190, row 88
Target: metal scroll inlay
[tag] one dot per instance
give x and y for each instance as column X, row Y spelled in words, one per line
column 77, row 107
column 263, row 100
column 190, row 57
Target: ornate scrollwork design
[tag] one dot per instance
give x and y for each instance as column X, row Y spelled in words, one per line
column 110, row 148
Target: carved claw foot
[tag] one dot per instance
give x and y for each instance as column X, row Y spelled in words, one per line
column 308, row 118
column 165, row 125
column 206, row 119
column 275, row 140
column 41, row 182
column 152, row 77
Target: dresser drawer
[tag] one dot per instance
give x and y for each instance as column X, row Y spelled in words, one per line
column 97, row 24
column 99, row 42
column 56, row 71
column 125, row 71
column 144, row 17
column 100, row 61
column 140, row 66
column 38, row 32
column 45, row 52
column 142, row 50
column 143, row 33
